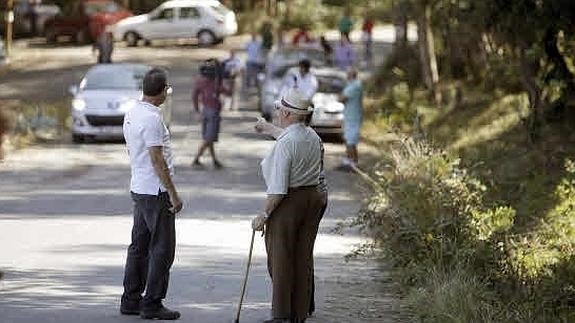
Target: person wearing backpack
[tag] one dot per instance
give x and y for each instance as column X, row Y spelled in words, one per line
column 208, row 90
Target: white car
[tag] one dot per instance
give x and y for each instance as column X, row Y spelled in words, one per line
column 103, row 97
column 207, row 20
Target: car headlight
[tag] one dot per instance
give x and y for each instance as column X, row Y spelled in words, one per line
column 78, row 104
column 334, row 107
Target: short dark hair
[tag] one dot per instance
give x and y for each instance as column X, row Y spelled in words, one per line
column 305, row 63
column 155, row 81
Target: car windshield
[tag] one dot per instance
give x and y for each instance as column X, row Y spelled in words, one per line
column 280, row 71
column 295, row 55
column 101, row 7
column 114, row 79
column 330, row 84
column 221, row 9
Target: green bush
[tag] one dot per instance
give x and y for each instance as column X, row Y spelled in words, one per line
column 454, row 295
column 426, row 208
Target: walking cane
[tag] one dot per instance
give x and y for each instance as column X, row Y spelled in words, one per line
column 246, row 277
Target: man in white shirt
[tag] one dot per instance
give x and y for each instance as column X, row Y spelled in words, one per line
column 293, row 209
column 156, row 202
column 303, row 80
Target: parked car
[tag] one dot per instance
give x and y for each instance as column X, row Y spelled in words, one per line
column 278, row 64
column 84, row 20
column 207, row 20
column 103, row 97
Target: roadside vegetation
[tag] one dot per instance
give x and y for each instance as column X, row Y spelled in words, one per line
column 27, row 123
column 474, row 196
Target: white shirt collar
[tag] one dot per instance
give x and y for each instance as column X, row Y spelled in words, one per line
column 150, row 106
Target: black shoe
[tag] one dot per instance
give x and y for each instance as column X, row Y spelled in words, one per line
column 130, row 307
column 197, row 165
column 218, row 165
column 161, row 313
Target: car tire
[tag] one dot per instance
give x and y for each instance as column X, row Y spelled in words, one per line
column 82, row 37
column 132, row 39
column 206, row 38
column 77, row 138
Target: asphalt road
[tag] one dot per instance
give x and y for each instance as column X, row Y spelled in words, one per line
column 65, row 214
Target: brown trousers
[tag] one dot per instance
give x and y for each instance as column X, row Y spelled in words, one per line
column 290, row 237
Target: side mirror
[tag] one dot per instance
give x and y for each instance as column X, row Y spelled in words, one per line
column 73, row 90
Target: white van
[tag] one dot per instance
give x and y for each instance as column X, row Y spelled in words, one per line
column 207, row 20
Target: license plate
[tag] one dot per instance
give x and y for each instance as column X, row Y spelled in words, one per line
column 111, row 130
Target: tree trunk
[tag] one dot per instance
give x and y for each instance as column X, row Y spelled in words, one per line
column 534, row 93
column 400, row 23
column 427, row 50
column 555, row 56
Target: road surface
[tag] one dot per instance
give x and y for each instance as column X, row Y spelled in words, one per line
column 65, row 216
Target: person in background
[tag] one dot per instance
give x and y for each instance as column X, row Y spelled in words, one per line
column 367, row 37
column 302, row 79
column 344, row 54
column 232, row 73
column 302, row 36
column 3, row 131
column 209, row 87
column 254, row 61
column 267, row 38
column 104, row 45
column 293, row 209
column 327, row 50
column 352, row 97
column 345, row 25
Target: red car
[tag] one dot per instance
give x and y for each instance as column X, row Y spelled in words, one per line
column 84, row 20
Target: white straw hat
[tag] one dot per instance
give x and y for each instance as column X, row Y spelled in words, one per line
column 294, row 101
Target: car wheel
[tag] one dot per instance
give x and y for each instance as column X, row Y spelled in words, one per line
column 206, row 38
column 82, row 37
column 51, row 35
column 132, row 39
column 76, row 138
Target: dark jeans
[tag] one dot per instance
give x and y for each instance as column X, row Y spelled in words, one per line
column 151, row 252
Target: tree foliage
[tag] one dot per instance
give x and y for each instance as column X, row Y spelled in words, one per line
column 525, row 45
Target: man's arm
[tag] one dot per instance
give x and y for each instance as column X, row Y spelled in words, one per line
column 196, row 96
column 163, row 172
column 268, row 128
column 272, row 202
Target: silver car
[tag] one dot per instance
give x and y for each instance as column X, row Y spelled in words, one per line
column 103, row 97
column 327, row 118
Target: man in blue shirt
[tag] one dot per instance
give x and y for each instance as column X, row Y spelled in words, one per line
column 352, row 97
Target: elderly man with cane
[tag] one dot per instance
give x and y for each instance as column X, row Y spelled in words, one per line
column 293, row 209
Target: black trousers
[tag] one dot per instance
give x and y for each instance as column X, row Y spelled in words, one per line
column 151, row 253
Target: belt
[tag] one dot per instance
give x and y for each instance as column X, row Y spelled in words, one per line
column 302, row 188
